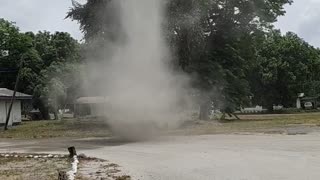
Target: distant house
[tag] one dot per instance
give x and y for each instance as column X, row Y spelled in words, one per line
column 313, row 101
column 17, row 108
column 91, row 106
column 257, row 109
column 303, row 101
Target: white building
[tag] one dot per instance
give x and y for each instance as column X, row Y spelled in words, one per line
column 5, row 99
column 91, row 106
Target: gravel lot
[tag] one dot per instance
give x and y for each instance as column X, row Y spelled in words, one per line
column 221, row 157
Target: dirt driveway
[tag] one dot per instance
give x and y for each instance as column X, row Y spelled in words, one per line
column 214, row 157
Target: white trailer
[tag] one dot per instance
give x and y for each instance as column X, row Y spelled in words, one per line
column 16, row 113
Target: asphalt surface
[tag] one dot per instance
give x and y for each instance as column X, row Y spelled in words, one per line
column 212, row 157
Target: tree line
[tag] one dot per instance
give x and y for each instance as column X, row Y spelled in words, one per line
column 50, row 71
column 229, row 46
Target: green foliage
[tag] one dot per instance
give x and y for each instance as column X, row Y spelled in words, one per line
column 213, row 40
column 286, row 66
column 97, row 19
column 50, row 69
column 60, row 55
column 19, row 46
column 100, row 23
column 216, row 40
column 60, row 84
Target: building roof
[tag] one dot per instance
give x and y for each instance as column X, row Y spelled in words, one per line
column 92, row 100
column 7, row 94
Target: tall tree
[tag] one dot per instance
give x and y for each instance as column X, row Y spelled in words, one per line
column 50, row 64
column 20, row 48
column 60, row 54
column 287, row 65
column 100, row 23
column 215, row 39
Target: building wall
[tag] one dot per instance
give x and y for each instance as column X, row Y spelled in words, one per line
column 15, row 113
column 2, row 112
column 98, row 110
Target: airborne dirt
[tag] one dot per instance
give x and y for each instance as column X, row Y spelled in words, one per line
column 221, row 157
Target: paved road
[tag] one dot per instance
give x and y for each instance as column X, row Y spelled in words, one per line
column 214, row 157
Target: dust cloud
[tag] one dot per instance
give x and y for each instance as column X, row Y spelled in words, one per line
column 144, row 94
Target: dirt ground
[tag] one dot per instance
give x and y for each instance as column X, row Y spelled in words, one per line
column 220, row 157
column 205, row 157
column 40, row 167
column 12, row 168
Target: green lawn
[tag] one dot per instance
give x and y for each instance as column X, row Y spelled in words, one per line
column 269, row 123
column 93, row 128
column 61, row 128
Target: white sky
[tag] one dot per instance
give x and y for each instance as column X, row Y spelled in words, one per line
column 303, row 17
column 35, row 15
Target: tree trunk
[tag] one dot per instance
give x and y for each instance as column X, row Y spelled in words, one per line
column 44, row 112
column 55, row 113
column 270, row 108
column 223, row 117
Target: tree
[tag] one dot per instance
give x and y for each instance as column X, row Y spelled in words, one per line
column 99, row 19
column 60, row 84
column 50, row 64
column 60, row 54
column 287, row 65
column 216, row 39
column 20, row 47
column 213, row 40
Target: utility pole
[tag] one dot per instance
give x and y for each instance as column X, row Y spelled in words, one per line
column 14, row 93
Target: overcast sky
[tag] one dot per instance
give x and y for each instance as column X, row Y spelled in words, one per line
column 35, row 15
column 303, row 17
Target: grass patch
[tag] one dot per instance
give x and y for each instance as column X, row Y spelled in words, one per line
column 97, row 128
column 4, row 161
column 255, row 124
column 21, row 168
column 61, row 128
column 24, row 168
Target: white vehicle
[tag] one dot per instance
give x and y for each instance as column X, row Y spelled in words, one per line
column 308, row 105
column 4, row 53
